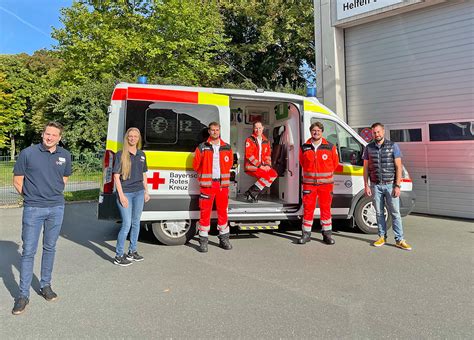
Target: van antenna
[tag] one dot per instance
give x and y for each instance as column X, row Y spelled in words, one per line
column 233, row 68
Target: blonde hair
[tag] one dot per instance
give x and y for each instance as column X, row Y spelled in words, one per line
column 125, row 163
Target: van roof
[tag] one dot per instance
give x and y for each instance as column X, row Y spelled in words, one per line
column 234, row 93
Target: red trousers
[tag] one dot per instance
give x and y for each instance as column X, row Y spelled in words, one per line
column 265, row 178
column 206, row 199
column 311, row 193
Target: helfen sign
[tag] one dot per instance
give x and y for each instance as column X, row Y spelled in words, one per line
column 350, row 8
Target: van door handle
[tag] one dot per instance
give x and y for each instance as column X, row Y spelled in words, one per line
column 424, row 176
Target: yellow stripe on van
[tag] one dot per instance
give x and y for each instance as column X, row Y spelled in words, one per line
column 113, row 145
column 310, row 106
column 353, row 170
column 213, row 99
column 168, row 160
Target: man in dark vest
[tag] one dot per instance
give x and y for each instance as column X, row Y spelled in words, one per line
column 383, row 165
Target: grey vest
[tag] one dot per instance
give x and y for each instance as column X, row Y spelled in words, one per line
column 381, row 162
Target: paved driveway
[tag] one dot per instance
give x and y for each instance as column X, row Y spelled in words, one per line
column 266, row 287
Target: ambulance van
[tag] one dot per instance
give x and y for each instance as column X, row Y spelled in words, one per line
column 173, row 120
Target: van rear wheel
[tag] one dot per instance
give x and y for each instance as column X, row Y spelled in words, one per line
column 174, row 232
column 365, row 217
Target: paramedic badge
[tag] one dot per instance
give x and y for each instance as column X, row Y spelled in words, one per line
column 325, row 157
column 226, row 158
column 247, row 144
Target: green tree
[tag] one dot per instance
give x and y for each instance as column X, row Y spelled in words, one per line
column 82, row 109
column 16, row 84
column 7, row 112
column 171, row 41
column 272, row 41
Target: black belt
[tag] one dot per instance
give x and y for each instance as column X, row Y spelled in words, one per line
column 384, row 182
column 216, row 179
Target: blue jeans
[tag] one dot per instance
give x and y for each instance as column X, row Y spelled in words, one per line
column 383, row 193
column 35, row 219
column 130, row 219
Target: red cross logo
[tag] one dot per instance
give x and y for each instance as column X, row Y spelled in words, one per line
column 155, row 181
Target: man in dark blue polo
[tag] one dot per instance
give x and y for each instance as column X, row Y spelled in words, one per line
column 39, row 175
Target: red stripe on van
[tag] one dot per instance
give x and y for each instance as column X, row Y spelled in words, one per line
column 119, row 94
column 137, row 93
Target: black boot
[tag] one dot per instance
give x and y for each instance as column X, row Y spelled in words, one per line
column 327, row 237
column 224, row 242
column 252, row 194
column 305, row 237
column 203, row 244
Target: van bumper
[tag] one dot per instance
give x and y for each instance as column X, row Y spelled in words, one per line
column 407, row 202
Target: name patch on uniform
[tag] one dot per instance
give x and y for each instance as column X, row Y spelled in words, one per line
column 61, row 161
column 142, row 158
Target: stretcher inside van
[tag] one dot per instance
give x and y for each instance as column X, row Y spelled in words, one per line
column 173, row 120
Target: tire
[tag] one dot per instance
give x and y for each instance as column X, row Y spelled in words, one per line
column 365, row 218
column 174, row 232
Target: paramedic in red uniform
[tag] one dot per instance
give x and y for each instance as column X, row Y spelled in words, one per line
column 258, row 162
column 213, row 160
column 319, row 160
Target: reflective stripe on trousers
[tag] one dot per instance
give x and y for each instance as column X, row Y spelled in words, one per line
column 322, row 193
column 206, row 200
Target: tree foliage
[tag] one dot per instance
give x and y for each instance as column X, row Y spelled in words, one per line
column 82, row 109
column 272, row 41
column 170, row 41
column 16, row 86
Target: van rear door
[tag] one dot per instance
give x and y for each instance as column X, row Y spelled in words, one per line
column 172, row 123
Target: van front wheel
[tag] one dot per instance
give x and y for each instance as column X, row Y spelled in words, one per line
column 174, row 232
column 365, row 218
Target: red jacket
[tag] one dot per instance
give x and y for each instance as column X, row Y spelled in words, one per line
column 318, row 166
column 202, row 163
column 252, row 151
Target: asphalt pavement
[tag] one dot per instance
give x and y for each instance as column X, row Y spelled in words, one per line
column 266, row 287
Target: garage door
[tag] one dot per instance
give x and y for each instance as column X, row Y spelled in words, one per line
column 418, row 67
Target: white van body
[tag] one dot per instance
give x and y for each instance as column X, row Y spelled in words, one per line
column 173, row 120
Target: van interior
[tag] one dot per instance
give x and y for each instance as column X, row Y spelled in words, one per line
column 281, row 127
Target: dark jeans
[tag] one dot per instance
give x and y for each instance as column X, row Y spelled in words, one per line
column 35, row 219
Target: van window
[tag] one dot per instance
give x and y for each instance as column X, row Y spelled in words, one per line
column 170, row 126
column 349, row 148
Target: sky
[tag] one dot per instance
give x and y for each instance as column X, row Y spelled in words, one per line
column 25, row 25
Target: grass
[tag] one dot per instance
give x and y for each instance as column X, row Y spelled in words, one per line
column 82, row 195
column 6, row 173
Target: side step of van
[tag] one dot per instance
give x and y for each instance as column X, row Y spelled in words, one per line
column 271, row 225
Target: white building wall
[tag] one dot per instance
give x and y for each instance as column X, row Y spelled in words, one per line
column 408, row 65
column 417, row 66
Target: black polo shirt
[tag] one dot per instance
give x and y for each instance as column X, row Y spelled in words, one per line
column 138, row 167
column 43, row 172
